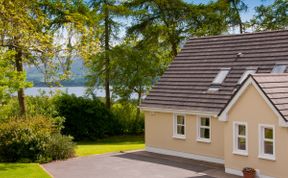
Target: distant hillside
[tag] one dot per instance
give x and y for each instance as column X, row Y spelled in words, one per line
column 78, row 75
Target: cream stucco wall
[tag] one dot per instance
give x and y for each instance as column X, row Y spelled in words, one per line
column 159, row 134
column 252, row 109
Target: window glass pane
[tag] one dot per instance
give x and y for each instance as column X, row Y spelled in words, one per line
column 268, row 133
column 180, row 120
column 221, row 76
column 180, row 130
column 241, row 144
column 245, row 75
column 205, row 133
column 268, row 147
column 205, row 121
column 279, row 68
column 241, row 130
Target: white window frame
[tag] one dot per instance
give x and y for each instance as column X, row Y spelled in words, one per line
column 221, row 76
column 199, row 126
column 236, row 135
column 276, row 68
column 175, row 133
column 262, row 138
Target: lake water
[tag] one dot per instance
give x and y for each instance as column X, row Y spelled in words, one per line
column 78, row 91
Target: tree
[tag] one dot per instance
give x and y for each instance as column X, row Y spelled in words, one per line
column 172, row 21
column 21, row 29
column 106, row 11
column 236, row 7
column 135, row 67
column 27, row 29
column 10, row 79
column 272, row 17
column 74, row 29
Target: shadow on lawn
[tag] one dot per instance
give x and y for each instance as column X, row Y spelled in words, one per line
column 10, row 166
column 115, row 140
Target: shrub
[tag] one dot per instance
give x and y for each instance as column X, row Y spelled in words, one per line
column 61, row 147
column 29, row 139
column 85, row 118
column 126, row 114
column 24, row 139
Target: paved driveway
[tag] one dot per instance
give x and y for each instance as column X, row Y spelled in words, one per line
column 138, row 164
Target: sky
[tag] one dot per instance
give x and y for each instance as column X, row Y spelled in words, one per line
column 246, row 16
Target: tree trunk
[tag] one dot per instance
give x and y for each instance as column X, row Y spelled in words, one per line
column 21, row 96
column 107, row 59
column 238, row 16
column 138, row 103
column 174, row 49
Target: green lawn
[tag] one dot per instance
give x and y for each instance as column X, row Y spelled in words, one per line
column 22, row 170
column 112, row 144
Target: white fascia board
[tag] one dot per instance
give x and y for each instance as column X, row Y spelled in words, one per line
column 179, row 111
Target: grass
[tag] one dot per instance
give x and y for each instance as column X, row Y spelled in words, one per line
column 22, row 170
column 111, row 144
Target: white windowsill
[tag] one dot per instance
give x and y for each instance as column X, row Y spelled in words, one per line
column 240, row 153
column 267, row 157
column 181, row 137
column 203, row 140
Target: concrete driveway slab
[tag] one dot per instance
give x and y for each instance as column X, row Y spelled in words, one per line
column 138, row 164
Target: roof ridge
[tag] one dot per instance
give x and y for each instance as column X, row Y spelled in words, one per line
column 241, row 34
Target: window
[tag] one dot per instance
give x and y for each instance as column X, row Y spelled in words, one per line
column 204, row 129
column 279, row 68
column 221, row 76
column 245, row 75
column 240, row 133
column 266, row 142
column 179, row 126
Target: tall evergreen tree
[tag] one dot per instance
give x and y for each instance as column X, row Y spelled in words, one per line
column 272, row 17
column 107, row 12
column 234, row 16
column 172, row 21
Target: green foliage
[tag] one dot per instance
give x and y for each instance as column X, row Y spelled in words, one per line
column 85, row 118
column 126, row 114
column 60, row 147
column 134, row 67
column 170, row 22
column 233, row 13
column 44, row 105
column 25, row 139
column 31, row 139
column 272, row 17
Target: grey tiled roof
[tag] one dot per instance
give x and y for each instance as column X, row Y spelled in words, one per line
column 275, row 87
column 186, row 82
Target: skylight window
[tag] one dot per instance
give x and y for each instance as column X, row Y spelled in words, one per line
column 245, row 75
column 221, row 76
column 279, row 68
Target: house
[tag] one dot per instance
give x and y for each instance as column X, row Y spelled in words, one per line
column 224, row 99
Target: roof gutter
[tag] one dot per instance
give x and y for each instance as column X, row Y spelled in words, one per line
column 179, row 111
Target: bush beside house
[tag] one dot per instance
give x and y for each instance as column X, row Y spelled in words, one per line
column 32, row 139
column 85, row 118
